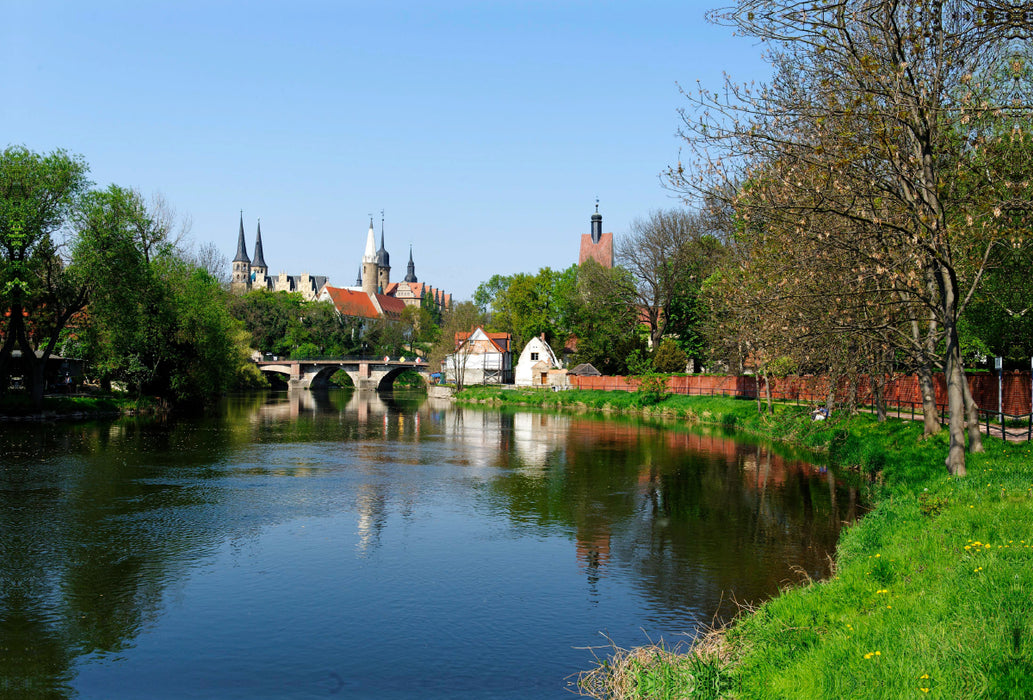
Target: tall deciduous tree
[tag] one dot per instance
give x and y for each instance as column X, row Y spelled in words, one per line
column 38, row 193
column 604, row 317
column 875, row 128
column 669, row 254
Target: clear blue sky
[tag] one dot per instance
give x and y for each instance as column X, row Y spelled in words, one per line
column 485, row 130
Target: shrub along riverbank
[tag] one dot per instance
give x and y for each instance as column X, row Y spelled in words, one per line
column 931, row 592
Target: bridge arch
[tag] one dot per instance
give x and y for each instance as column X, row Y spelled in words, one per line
column 387, row 381
column 365, row 373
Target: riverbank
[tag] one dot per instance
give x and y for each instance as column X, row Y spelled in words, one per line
column 19, row 407
column 930, row 591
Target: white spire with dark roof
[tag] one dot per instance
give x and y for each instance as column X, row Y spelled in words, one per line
column 371, row 244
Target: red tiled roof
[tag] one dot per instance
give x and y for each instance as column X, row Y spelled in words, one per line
column 503, row 342
column 352, row 303
column 392, row 307
column 601, row 252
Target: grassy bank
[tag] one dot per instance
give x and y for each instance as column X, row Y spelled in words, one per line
column 932, row 590
column 19, row 406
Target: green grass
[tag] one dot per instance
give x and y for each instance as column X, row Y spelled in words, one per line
column 17, row 404
column 932, row 590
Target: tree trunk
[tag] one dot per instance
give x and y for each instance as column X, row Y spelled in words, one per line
column 767, row 394
column 975, row 435
column 880, row 405
column 956, row 412
column 830, row 400
column 930, row 415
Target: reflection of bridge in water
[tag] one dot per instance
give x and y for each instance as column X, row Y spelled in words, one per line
column 378, row 374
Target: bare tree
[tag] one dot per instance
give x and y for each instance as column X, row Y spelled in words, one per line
column 667, row 253
column 873, row 137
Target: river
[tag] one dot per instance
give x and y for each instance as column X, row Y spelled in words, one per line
column 349, row 545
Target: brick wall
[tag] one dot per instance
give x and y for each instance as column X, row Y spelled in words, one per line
column 900, row 391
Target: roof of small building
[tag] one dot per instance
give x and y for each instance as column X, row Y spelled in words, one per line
column 502, row 341
column 586, row 370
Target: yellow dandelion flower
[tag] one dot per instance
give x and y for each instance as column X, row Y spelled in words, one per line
column 924, row 676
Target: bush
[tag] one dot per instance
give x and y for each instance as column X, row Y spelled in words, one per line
column 669, row 358
column 306, row 351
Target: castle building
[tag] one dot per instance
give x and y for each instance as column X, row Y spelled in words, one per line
column 249, row 274
column 597, row 245
column 374, row 295
column 375, row 277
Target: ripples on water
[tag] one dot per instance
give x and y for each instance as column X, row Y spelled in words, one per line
column 342, row 545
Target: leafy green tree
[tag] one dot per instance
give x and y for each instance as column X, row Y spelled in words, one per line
column 604, row 318
column 526, row 306
column 38, row 194
column 156, row 322
column 668, row 255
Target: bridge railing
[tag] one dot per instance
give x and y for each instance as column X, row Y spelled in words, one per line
column 346, row 358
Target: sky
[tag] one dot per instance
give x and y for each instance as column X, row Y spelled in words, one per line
column 483, row 130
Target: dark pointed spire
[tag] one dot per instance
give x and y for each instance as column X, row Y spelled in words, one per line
column 410, row 270
column 358, row 280
column 383, row 259
column 241, row 245
column 597, row 223
column 259, row 260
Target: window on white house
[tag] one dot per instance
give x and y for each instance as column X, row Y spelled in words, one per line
column 534, row 356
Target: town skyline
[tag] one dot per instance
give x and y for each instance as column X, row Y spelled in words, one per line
column 485, row 132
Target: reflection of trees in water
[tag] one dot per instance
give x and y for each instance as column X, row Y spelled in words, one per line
column 698, row 518
column 100, row 519
column 81, row 571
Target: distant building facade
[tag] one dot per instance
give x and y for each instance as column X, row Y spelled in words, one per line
column 252, row 273
column 382, row 296
column 375, row 277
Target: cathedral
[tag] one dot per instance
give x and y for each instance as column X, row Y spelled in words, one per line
column 250, row 274
column 373, row 295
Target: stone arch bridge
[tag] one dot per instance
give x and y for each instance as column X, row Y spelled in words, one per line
column 365, row 372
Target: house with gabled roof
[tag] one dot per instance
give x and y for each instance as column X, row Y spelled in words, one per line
column 536, row 361
column 480, row 358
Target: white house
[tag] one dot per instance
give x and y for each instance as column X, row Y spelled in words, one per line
column 536, row 361
column 481, row 358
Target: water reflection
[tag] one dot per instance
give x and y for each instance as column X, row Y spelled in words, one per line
column 120, row 536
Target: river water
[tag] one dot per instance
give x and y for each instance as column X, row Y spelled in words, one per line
column 350, row 545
